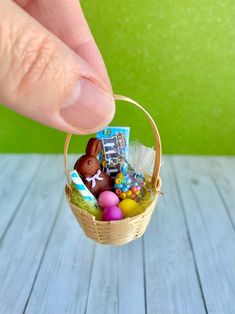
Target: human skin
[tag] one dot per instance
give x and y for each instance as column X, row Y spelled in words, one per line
column 51, row 68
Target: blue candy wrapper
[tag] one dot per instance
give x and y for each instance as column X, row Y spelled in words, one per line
column 115, row 146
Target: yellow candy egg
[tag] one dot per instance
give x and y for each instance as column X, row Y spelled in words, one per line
column 120, row 175
column 129, row 207
column 122, row 195
column 128, row 193
column 118, row 181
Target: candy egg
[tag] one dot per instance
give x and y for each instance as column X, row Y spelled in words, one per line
column 120, row 175
column 112, row 213
column 118, row 191
column 125, row 189
column 129, row 207
column 128, row 193
column 123, row 195
column 119, row 186
column 133, row 189
column 107, row 198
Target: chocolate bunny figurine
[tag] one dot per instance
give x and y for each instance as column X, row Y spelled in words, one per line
column 89, row 169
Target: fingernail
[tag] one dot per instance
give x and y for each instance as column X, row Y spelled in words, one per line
column 88, row 108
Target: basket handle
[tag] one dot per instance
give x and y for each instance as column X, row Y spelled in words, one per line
column 158, row 149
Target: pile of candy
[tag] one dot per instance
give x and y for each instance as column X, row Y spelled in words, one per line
column 115, row 191
column 127, row 186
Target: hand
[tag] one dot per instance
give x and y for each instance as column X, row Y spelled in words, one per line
column 50, row 67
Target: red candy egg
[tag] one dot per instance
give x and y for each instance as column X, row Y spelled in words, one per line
column 118, row 191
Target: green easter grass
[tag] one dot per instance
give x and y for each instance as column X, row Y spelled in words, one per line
column 77, row 199
column 143, row 202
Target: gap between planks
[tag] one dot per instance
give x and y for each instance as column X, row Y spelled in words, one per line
column 211, row 233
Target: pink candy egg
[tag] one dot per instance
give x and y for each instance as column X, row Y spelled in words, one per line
column 107, row 198
column 112, row 213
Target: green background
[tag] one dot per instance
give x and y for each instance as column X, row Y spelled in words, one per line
column 177, row 58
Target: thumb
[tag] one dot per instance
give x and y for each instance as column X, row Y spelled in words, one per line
column 45, row 80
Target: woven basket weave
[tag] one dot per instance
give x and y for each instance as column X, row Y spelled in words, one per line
column 122, row 231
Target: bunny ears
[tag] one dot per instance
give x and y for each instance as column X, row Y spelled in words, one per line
column 93, row 147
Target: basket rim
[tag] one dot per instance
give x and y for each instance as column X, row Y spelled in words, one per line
column 127, row 219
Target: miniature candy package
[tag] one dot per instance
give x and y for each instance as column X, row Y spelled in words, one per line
column 115, row 145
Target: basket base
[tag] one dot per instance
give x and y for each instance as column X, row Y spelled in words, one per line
column 117, row 241
column 118, row 232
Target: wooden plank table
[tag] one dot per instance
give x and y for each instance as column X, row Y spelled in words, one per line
column 185, row 263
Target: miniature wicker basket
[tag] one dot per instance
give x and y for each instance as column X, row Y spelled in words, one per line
column 122, row 231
